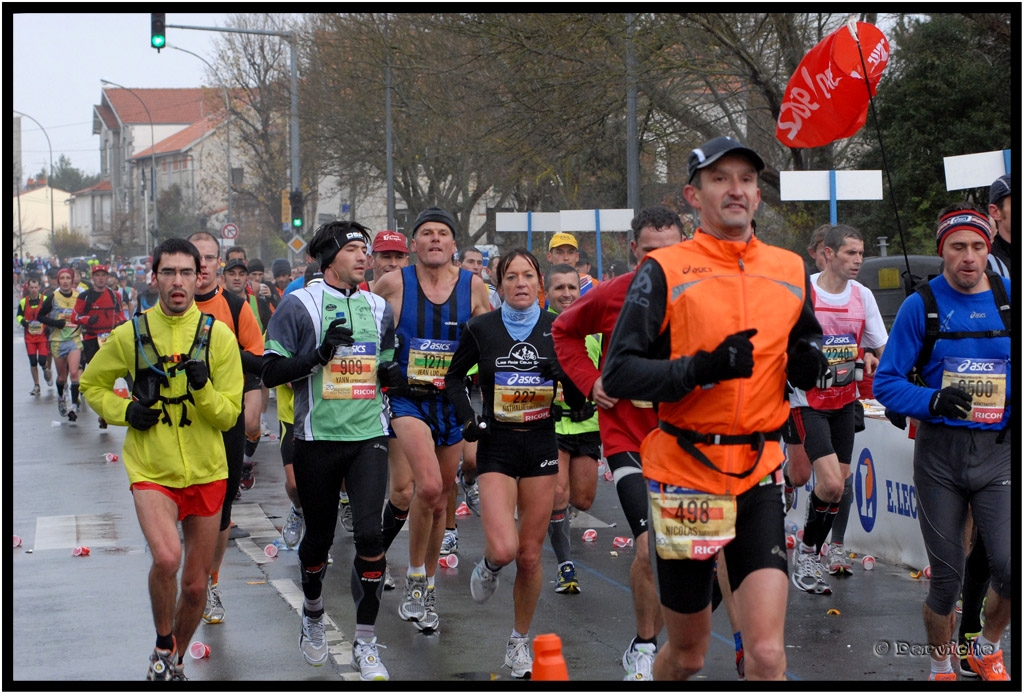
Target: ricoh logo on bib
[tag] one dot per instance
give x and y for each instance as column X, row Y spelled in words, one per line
column 972, row 366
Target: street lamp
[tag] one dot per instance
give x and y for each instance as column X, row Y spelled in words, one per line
column 152, row 165
column 49, row 183
column 227, row 111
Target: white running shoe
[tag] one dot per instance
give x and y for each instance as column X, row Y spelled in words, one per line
column 483, row 582
column 347, row 521
column 214, row 612
column 366, row 659
column 837, row 560
column 293, row 529
column 638, row 661
column 471, row 492
column 313, row 640
column 517, row 656
column 412, row 608
column 807, row 573
column 450, row 543
column 389, row 582
column 430, row 618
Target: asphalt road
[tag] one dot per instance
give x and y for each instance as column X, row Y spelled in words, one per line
column 76, row 619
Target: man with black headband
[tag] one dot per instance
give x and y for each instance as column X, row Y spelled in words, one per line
column 432, row 300
column 961, row 395
column 333, row 342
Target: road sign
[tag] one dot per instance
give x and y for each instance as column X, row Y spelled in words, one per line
column 296, row 244
column 286, row 209
column 229, row 231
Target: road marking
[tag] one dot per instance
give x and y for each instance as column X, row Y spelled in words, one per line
column 585, row 520
column 338, row 646
column 65, row 532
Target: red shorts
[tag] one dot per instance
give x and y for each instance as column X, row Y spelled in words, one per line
column 198, row 500
column 38, row 345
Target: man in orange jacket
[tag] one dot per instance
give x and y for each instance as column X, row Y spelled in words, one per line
column 711, row 330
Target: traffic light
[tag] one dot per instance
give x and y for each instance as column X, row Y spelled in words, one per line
column 296, row 200
column 158, row 36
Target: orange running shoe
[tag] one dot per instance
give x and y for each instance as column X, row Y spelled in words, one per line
column 989, row 666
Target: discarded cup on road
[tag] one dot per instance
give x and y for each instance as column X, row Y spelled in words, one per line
column 17, row 541
column 608, row 476
column 868, row 562
column 199, row 650
column 589, row 535
column 270, row 550
column 82, row 551
column 621, row 542
column 928, row 571
column 448, row 561
column 463, row 510
column 111, row 457
column 790, row 541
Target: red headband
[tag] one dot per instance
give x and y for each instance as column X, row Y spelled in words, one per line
column 959, row 220
column 65, row 271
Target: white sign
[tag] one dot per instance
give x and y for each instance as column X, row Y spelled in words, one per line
column 586, row 220
column 974, row 170
column 520, row 221
column 814, row 185
column 229, row 231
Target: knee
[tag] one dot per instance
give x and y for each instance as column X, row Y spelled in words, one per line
column 502, row 554
column 166, row 562
column 830, row 488
column 765, row 660
column 430, row 493
column 528, row 558
column 193, row 588
column 675, row 663
column 583, row 499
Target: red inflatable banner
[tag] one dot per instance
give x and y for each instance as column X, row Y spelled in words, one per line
column 826, row 99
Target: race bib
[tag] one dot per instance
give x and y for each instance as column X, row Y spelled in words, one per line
column 690, row 524
column 643, row 404
column 35, row 328
column 429, row 360
column 352, row 373
column 521, row 397
column 841, row 352
column 984, row 380
column 101, row 338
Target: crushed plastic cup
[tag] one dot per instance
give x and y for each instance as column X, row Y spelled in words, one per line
column 463, row 510
column 589, row 535
column 790, row 541
column 82, row 551
column 122, row 392
column 448, row 561
column 928, row 571
column 868, row 562
column 199, row 650
column 800, row 534
column 17, row 541
column 608, row 476
column 621, row 542
column 111, row 457
column 270, row 550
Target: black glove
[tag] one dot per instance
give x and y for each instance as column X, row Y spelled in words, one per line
column 335, row 336
column 898, row 420
column 806, row 365
column 474, row 429
column 584, row 413
column 61, row 323
column 93, row 319
column 551, row 370
column 734, row 358
column 950, row 402
column 141, row 417
column 391, row 378
column 197, row 372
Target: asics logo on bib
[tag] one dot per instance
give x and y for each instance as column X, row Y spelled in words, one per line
column 833, row 340
column 525, row 380
column 358, row 348
column 969, row 365
column 436, row 346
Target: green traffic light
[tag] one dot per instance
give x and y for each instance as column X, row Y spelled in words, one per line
column 296, row 222
column 159, row 41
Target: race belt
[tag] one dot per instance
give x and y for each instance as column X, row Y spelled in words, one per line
column 687, row 440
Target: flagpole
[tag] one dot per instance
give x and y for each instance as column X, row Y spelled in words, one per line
column 908, row 278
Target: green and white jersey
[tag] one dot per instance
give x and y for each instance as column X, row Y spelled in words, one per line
column 341, row 401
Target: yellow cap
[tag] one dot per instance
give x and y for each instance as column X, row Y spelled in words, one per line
column 563, row 239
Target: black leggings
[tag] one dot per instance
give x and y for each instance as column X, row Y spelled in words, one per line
column 320, row 467
column 234, row 449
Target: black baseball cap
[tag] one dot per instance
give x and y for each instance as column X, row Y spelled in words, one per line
column 713, row 150
column 236, row 262
column 999, row 189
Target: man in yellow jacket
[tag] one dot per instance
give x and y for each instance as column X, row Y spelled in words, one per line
column 187, row 390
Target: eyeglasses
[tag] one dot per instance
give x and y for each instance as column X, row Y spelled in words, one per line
column 209, row 258
column 186, row 273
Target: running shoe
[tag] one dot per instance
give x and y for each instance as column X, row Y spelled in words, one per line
column 313, row 640
column 942, row 676
column 989, row 666
column 214, row 612
column 366, row 659
column 73, row 413
column 412, row 608
column 161, row 665
column 389, row 582
column 638, row 661
column 567, row 582
column 483, row 583
column 965, row 666
column 178, row 673
column 346, row 514
column 471, row 492
column 264, row 429
column 62, row 407
column 450, row 543
column 517, row 656
column 837, row 560
column 430, row 618
column 807, row 573
column 48, row 377
column 789, row 494
column 248, row 478
column 35, row 390
column 293, row 529
column 103, row 423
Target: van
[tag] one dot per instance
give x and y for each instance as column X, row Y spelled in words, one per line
column 884, row 277
column 139, row 261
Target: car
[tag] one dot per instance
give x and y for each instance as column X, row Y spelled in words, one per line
column 884, row 276
column 139, row 261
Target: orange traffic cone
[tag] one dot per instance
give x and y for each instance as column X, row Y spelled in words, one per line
column 548, row 662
